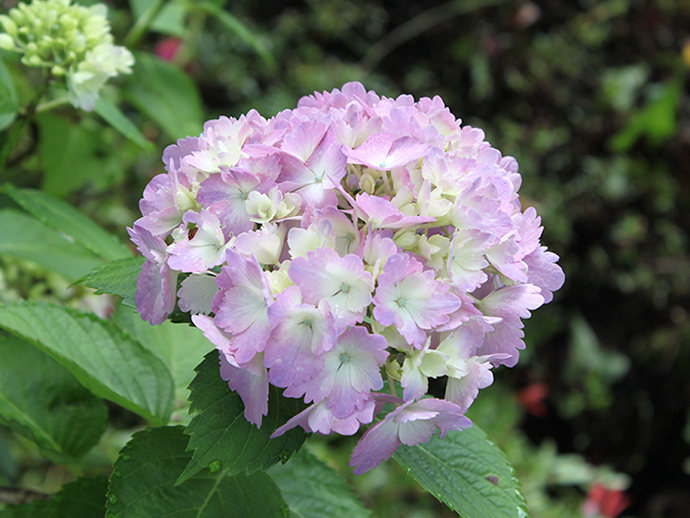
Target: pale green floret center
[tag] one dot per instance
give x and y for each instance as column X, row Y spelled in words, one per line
column 345, row 288
column 402, row 301
column 344, row 358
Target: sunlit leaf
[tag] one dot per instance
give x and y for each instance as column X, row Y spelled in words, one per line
column 61, row 216
column 116, row 278
column 27, row 238
column 105, row 360
column 466, row 471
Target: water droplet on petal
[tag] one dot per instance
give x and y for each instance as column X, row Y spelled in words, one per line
column 214, row 466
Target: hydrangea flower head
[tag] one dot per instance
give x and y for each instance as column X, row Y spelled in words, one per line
column 71, row 41
column 352, row 240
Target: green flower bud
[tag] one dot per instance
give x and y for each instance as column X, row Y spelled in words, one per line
column 6, row 42
column 71, row 40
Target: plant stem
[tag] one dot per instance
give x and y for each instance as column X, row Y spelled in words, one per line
column 142, row 24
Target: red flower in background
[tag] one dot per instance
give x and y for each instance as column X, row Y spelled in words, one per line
column 602, row 501
column 532, row 398
column 167, row 49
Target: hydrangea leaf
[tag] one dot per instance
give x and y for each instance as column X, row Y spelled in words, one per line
column 85, row 498
column 313, row 489
column 220, row 432
column 104, row 359
column 466, row 471
column 116, row 278
column 26, row 238
column 165, row 94
column 113, row 116
column 166, row 19
column 181, row 347
column 71, row 156
column 143, row 483
column 8, row 98
column 49, row 407
column 61, row 216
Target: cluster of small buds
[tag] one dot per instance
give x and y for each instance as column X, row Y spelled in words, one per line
column 71, row 41
column 351, row 241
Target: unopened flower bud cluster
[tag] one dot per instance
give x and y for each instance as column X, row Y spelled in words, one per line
column 351, row 241
column 71, row 41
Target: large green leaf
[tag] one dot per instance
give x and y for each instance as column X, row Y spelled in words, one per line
column 181, row 347
column 104, row 359
column 143, row 484
column 50, row 406
column 116, row 278
column 61, row 216
column 467, row 472
column 165, row 94
column 313, row 489
column 69, row 154
column 9, row 104
column 110, row 113
column 220, row 433
column 166, row 19
column 83, row 498
column 27, row 238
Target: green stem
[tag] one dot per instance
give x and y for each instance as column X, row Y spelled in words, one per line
column 142, row 24
column 49, row 105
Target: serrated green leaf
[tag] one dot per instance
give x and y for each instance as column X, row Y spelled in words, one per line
column 116, row 278
column 85, row 498
column 313, row 489
column 61, row 216
column 143, row 484
column 165, row 94
column 50, row 406
column 113, row 116
column 104, row 359
column 9, row 104
column 466, row 471
column 220, row 432
column 181, row 347
column 27, row 238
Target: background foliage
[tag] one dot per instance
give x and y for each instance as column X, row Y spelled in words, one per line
column 590, row 97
